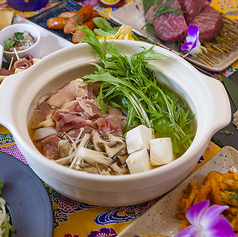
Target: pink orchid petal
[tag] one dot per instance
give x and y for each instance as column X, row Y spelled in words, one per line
column 195, row 212
column 207, row 222
column 190, row 231
column 212, row 212
column 219, row 227
column 186, row 46
column 192, row 40
column 193, row 30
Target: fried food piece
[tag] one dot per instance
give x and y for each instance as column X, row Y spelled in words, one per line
column 220, row 189
column 233, row 211
column 67, row 14
column 6, row 18
column 78, row 19
column 188, row 198
column 203, row 193
column 56, row 23
column 78, row 35
column 234, row 223
column 184, row 224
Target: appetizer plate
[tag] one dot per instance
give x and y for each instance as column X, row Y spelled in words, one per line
column 136, row 20
column 64, row 6
column 26, row 197
column 50, row 42
column 159, row 219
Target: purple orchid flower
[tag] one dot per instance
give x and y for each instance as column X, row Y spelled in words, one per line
column 192, row 41
column 207, row 222
column 103, row 232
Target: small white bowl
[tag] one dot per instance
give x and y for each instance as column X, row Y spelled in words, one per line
column 9, row 31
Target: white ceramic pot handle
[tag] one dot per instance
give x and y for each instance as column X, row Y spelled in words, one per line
column 220, row 115
column 7, row 89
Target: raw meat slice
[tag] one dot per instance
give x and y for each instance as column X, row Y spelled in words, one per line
column 210, row 23
column 169, row 27
column 191, row 8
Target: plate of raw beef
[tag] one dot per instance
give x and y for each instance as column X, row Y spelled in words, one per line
column 170, row 30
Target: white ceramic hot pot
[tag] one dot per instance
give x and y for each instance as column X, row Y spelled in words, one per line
column 19, row 93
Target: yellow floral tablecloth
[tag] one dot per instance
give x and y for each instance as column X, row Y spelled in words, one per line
column 73, row 218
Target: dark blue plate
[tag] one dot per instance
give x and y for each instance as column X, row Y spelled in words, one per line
column 64, row 6
column 27, row 199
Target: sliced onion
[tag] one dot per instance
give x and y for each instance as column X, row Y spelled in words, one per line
column 44, row 132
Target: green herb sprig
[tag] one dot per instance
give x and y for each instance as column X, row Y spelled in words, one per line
column 130, row 84
column 11, row 42
column 161, row 7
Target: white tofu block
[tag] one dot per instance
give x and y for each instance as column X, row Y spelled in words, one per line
column 138, row 161
column 161, row 151
column 138, row 138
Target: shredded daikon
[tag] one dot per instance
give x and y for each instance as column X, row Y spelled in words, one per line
column 5, row 226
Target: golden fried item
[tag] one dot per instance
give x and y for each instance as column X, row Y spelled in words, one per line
column 189, row 195
column 220, row 189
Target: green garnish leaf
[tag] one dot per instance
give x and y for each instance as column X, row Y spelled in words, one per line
column 161, row 8
column 228, row 132
column 104, row 27
column 102, row 23
column 19, row 35
column 232, row 89
column 9, row 43
column 103, row 33
column 128, row 82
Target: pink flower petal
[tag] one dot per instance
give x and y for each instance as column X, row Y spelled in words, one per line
column 186, row 46
column 193, row 30
column 207, row 222
column 192, row 39
column 212, row 212
column 195, row 212
column 190, row 231
column 219, row 227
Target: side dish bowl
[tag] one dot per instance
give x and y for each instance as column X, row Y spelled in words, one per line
column 9, row 31
column 206, row 97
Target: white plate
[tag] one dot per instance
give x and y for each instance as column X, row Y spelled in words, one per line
column 137, row 20
column 159, row 219
column 50, row 41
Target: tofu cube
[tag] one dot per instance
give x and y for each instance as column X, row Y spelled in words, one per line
column 161, row 151
column 138, row 161
column 138, row 138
